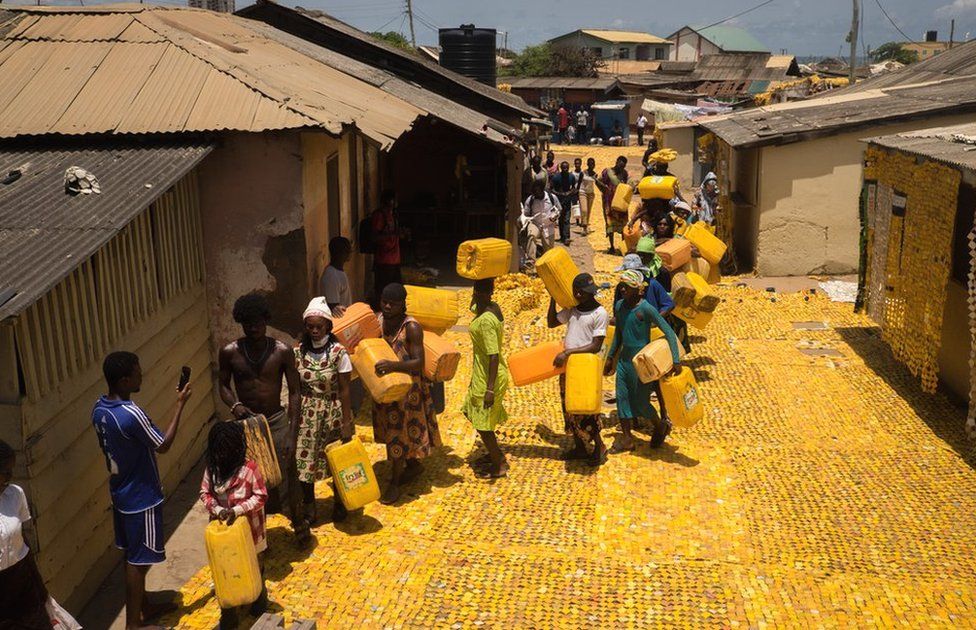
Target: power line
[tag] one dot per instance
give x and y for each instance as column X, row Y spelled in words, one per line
column 391, row 21
column 732, row 17
column 907, row 38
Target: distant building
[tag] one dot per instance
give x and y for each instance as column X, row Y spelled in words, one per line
column 220, row 6
column 609, row 44
column 925, row 50
column 690, row 44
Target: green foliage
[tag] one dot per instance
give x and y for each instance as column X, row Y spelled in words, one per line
column 394, row 39
column 545, row 61
column 893, row 51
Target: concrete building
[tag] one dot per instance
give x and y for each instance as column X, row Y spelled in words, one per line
column 925, row 50
column 691, row 44
column 611, row 44
column 790, row 174
column 918, row 260
column 229, row 153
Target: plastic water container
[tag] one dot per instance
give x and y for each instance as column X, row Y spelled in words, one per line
column 534, row 364
column 698, row 265
column 584, row 384
column 384, row 389
column 484, row 258
column 682, row 399
column 654, row 361
column 694, row 317
column 355, row 481
column 709, row 246
column 435, row 310
column 607, row 342
column 657, row 186
column 357, row 323
column 674, row 253
column 441, row 358
column 557, row 271
column 690, row 289
column 233, row 562
column 632, row 234
column 261, row 449
column 621, row 198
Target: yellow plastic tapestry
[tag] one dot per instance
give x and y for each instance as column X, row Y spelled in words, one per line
column 355, row 480
column 484, row 258
column 233, row 562
column 584, row 384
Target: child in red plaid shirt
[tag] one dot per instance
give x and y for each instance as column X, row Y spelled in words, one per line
column 233, row 487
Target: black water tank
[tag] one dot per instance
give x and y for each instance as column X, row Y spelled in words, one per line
column 469, row 51
column 931, row 36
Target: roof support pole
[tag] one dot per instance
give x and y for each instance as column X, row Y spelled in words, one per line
column 853, row 37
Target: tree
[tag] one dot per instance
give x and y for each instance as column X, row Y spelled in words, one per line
column 394, row 39
column 893, row 51
column 545, row 61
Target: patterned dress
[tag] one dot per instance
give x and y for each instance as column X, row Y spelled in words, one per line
column 321, row 417
column 408, row 427
column 616, row 221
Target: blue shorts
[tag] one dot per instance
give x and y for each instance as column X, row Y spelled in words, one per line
column 140, row 536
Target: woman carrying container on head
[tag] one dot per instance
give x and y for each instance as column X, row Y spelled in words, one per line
column 408, row 427
column 489, row 376
column 324, row 370
column 609, row 179
column 634, row 318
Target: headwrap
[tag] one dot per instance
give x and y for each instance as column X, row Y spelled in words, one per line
column 394, row 292
column 632, row 278
column 682, row 205
column 318, row 307
column 646, row 245
column 632, row 262
column 710, row 176
column 663, row 155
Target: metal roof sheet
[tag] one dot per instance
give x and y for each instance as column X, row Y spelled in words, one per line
column 954, row 145
column 566, row 83
column 46, row 233
column 623, row 37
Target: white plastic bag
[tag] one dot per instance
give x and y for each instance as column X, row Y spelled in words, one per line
column 60, row 618
column 577, row 213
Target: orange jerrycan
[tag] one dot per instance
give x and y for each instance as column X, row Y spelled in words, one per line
column 384, row 389
column 690, row 289
column 357, row 323
column 584, row 384
column 535, row 364
column 621, row 198
column 484, row 258
column 709, row 246
column 681, row 398
column 654, row 361
column 694, row 317
column 233, row 562
column 674, row 253
column 632, row 234
column 435, row 310
column 355, row 481
column 557, row 271
column 441, row 358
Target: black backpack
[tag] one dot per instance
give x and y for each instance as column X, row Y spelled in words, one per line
column 365, row 239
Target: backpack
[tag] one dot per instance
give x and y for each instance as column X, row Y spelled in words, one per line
column 367, row 244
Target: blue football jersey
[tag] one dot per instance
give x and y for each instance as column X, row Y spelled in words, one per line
column 129, row 440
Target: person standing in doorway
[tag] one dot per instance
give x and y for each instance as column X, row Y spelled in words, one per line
column 130, row 441
column 386, row 239
column 641, row 126
column 582, row 126
column 256, row 363
column 564, row 186
column 334, row 284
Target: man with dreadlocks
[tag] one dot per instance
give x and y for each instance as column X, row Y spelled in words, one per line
column 233, row 487
column 256, row 363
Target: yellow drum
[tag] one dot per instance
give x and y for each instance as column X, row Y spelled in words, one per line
column 535, row 364
column 233, row 562
column 484, row 258
column 557, row 271
column 383, row 389
column 584, row 384
column 654, row 361
column 435, row 310
column 355, row 481
column 681, row 398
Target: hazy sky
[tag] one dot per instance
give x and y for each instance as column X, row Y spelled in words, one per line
column 802, row 27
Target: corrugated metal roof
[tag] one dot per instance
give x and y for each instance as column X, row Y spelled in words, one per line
column 46, row 233
column 954, row 145
column 623, row 37
column 565, row 83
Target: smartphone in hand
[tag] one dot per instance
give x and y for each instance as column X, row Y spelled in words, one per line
column 184, row 378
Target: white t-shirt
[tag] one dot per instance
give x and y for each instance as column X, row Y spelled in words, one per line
column 642, row 121
column 335, row 286
column 581, row 328
column 345, row 364
column 13, row 514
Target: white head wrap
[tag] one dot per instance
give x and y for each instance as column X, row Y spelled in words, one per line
column 318, row 307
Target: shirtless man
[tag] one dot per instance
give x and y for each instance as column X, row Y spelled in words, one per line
column 256, row 363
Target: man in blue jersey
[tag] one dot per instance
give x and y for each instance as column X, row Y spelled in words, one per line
column 130, row 441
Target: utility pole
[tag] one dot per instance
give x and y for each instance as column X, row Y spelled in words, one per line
column 413, row 38
column 952, row 31
column 853, row 37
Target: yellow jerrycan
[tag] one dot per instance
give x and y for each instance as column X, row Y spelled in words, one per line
column 654, row 361
column 383, row 389
column 682, row 399
column 557, row 271
column 355, row 481
column 700, row 266
column 690, row 289
column 441, row 358
column 233, row 562
column 435, row 310
column 709, row 246
column 621, row 198
column 484, row 258
column 657, row 186
column 694, row 317
column 584, row 384
column 607, row 343
column 535, row 364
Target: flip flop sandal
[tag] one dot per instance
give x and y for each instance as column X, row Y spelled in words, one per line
column 617, row 450
column 487, row 474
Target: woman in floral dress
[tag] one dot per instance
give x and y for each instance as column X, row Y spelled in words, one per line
column 324, row 369
column 408, row 427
